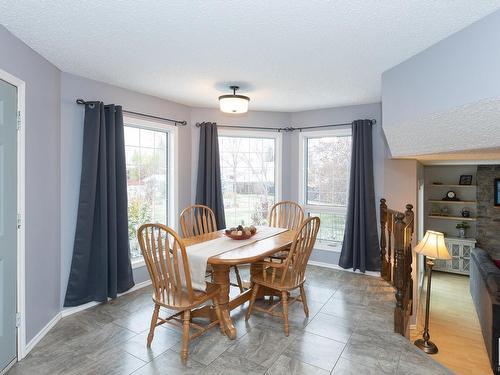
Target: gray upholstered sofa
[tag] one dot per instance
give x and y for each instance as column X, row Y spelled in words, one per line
column 485, row 291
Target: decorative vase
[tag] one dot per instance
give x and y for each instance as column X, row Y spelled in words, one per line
column 461, row 232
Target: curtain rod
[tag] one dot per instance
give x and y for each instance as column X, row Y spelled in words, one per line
column 285, row 129
column 176, row 122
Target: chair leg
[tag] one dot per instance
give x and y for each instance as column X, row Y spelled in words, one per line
column 255, row 289
column 284, row 299
column 185, row 334
column 152, row 327
column 215, row 301
column 238, row 279
column 304, row 300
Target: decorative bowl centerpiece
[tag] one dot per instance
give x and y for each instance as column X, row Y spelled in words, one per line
column 241, row 232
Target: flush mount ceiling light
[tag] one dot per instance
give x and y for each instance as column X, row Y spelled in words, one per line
column 234, row 103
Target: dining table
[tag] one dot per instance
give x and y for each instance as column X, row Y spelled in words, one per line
column 251, row 254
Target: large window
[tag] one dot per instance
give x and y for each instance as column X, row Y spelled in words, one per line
column 147, row 149
column 250, row 168
column 325, row 176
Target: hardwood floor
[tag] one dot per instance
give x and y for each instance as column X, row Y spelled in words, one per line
column 454, row 326
column 349, row 331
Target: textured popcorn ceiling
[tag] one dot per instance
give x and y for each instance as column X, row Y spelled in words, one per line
column 473, row 128
column 287, row 55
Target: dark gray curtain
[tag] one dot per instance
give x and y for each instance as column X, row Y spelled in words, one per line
column 360, row 247
column 101, row 259
column 209, row 185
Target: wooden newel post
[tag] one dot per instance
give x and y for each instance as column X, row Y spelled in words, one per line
column 384, row 266
column 409, row 219
column 409, row 216
column 399, row 273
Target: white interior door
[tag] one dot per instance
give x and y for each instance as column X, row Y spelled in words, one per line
column 8, row 222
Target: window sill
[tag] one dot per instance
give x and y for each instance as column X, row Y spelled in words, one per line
column 138, row 263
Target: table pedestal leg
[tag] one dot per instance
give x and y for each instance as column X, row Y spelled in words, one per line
column 221, row 278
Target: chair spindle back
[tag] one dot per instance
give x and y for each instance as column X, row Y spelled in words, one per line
column 167, row 263
column 298, row 256
column 197, row 220
column 286, row 214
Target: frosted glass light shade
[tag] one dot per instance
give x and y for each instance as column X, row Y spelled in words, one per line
column 233, row 103
column 433, row 246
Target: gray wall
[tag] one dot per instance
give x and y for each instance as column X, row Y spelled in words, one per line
column 42, row 222
column 447, row 95
column 73, row 87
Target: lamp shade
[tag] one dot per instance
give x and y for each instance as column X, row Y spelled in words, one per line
column 234, row 103
column 433, row 246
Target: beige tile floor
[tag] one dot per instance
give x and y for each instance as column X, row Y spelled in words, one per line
column 349, row 331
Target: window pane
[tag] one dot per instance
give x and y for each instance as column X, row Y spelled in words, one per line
column 332, row 226
column 328, row 163
column 147, row 171
column 131, row 136
column 248, row 178
column 327, row 167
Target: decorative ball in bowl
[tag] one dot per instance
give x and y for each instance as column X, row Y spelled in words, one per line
column 241, row 232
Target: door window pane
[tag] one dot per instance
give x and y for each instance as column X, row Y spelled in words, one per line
column 248, row 166
column 147, row 175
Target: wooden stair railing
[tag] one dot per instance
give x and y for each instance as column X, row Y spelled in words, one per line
column 396, row 234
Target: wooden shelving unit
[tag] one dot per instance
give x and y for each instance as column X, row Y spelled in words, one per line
column 450, row 202
column 451, row 185
column 457, row 218
column 444, row 215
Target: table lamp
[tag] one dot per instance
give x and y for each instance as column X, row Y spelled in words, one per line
column 433, row 247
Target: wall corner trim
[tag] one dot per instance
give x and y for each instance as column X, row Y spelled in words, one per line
column 67, row 312
column 73, row 310
column 35, row 340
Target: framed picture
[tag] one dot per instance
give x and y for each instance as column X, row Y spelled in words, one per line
column 465, row 179
column 497, row 192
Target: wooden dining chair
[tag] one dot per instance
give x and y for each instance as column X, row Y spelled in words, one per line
column 287, row 276
column 168, row 267
column 198, row 219
column 285, row 214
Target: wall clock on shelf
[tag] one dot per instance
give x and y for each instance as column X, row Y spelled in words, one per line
column 451, row 196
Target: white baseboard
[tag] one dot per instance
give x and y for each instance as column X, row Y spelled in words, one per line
column 9, row 366
column 136, row 287
column 35, row 340
column 323, row 264
column 336, row 267
column 67, row 311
